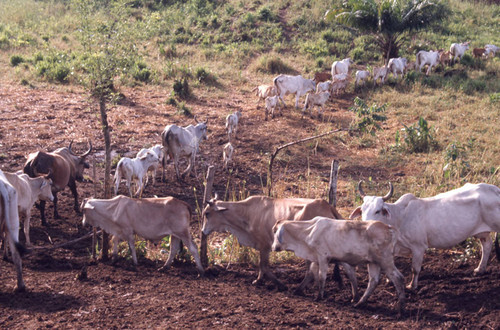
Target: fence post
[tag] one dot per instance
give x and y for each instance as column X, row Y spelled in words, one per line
column 206, row 196
column 332, row 190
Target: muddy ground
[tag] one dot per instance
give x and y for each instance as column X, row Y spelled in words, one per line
column 119, row 296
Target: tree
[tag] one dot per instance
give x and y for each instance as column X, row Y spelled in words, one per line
column 105, row 34
column 390, row 20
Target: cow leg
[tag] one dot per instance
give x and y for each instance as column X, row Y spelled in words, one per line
column 374, row 273
column 305, row 282
column 131, row 245
column 140, row 188
column 18, row 265
column 297, row 96
column 322, row 267
column 41, row 207
column 416, row 265
column 265, row 271
column 5, row 247
column 194, row 252
column 175, row 247
column 72, row 187
column 486, row 245
column 351, row 275
column 399, row 283
column 27, row 227
column 115, row 241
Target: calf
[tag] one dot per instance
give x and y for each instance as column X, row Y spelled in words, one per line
column 491, row 49
column 232, row 121
column 349, row 242
column 158, row 150
column 361, row 76
column 29, row 190
column 264, row 91
column 397, row 66
column 298, row 85
column 135, row 169
column 227, row 154
column 380, row 73
column 445, row 58
column 271, row 103
column 324, row 86
column 478, row 52
column 316, row 100
column 458, row 50
column 9, row 224
column 150, row 218
column 424, row 58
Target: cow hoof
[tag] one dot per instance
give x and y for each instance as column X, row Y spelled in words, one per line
column 299, row 292
column 258, row 282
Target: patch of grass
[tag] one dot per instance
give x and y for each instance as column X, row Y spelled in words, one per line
column 15, row 60
column 273, row 64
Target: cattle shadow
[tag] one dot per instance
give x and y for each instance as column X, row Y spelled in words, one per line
column 40, row 302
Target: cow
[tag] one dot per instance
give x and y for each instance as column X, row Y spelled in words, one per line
column 64, row 168
column 183, row 142
column 9, row 224
column 361, row 76
column 349, row 242
column 324, row 86
column 439, row 222
column 29, row 190
column 227, row 154
column 316, row 100
column 252, row 220
column 271, row 103
column 341, row 66
column 264, row 91
column 380, row 73
column 478, row 52
column 458, row 50
column 158, row 150
column 298, row 85
column 150, row 218
column 445, row 58
column 430, row 58
column 232, row 121
column 397, row 65
column 339, row 85
column 135, row 169
column 322, row 76
column 491, row 49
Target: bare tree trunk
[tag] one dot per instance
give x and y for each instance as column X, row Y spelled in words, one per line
column 206, row 197
column 107, row 168
column 332, row 190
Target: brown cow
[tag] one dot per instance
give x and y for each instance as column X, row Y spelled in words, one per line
column 478, row 52
column 252, row 220
column 349, row 242
column 65, row 169
column 150, row 218
column 322, row 76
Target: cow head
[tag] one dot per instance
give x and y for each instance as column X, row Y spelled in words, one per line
column 374, row 207
column 85, row 207
column 213, row 217
column 278, row 230
column 46, row 189
column 201, row 129
column 79, row 161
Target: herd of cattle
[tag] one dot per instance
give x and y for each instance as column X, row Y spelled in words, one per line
column 325, row 84
column 311, row 228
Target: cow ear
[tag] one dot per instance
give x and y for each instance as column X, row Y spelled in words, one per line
column 220, row 208
column 356, row 213
column 386, row 212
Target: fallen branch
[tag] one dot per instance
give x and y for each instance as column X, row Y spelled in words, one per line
column 65, row 243
column 273, row 156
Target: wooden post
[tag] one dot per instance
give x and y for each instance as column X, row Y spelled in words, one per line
column 94, row 231
column 332, row 190
column 206, row 197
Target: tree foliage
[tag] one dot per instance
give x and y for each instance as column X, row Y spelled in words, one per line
column 390, row 20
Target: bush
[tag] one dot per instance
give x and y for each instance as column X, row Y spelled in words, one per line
column 184, row 110
column 265, row 14
column 181, row 88
column 15, row 60
column 417, row 138
column 169, row 51
column 141, row 72
column 204, row 76
column 472, row 86
column 370, row 117
column 273, row 65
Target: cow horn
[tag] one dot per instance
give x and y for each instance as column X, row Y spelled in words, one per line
column 69, row 148
column 389, row 194
column 206, row 121
column 196, row 120
column 88, row 151
column 360, row 188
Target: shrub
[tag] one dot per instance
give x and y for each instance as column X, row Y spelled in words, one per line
column 455, row 157
column 273, row 65
column 265, row 14
column 369, row 117
column 15, row 60
column 417, row 138
column 181, row 88
column 184, row 110
column 141, row 72
column 169, row 51
column 471, row 86
column 204, row 76
column 171, row 101
column 495, row 97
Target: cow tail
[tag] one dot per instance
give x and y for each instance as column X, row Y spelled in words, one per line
column 276, row 86
column 497, row 246
column 306, row 104
column 417, row 60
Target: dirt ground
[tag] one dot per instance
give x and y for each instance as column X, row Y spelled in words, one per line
column 119, row 296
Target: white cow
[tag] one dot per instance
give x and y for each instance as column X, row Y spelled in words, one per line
column 430, row 58
column 183, row 142
column 298, row 85
column 491, row 49
column 158, row 150
column 232, row 121
column 316, row 100
column 349, row 242
column 271, row 103
column 458, row 50
column 135, row 169
column 29, row 190
column 324, row 86
column 341, row 66
column 397, row 65
column 264, row 91
column 150, row 218
column 361, row 76
column 227, row 154
column 339, row 83
column 441, row 222
column 9, row 224
column 380, row 73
